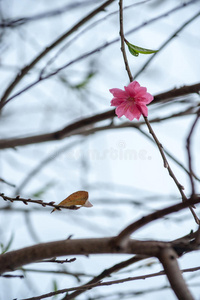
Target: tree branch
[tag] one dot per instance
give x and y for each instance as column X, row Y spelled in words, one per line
column 105, row 273
column 121, row 33
column 188, row 144
column 14, row 259
column 39, row 202
column 121, row 244
column 168, row 259
column 124, row 235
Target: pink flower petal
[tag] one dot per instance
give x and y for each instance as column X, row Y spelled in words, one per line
column 136, row 112
column 134, row 85
column 118, row 93
column 130, row 114
column 144, row 110
column 117, row 101
column 119, row 111
column 149, row 98
column 141, row 92
column 131, row 92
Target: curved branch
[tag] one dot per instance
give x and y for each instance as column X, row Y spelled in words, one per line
column 14, row 259
column 124, row 235
column 121, row 244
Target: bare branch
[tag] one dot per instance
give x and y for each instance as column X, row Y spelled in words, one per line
column 121, row 33
column 6, row 182
column 106, row 273
column 82, row 289
column 58, row 272
column 119, row 244
column 124, row 235
column 168, row 259
column 39, row 202
column 12, row 260
column 188, row 146
column 168, row 96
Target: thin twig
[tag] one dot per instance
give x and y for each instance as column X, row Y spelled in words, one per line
column 165, row 161
column 159, row 145
column 106, row 273
column 12, row 276
column 107, row 283
column 121, row 33
column 6, row 182
column 58, row 272
column 188, row 144
column 40, row 202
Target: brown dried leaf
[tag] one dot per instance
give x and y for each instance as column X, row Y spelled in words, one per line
column 77, row 198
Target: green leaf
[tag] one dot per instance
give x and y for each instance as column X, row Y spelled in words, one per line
column 132, row 51
column 135, row 50
column 7, row 247
column 55, row 286
column 85, row 81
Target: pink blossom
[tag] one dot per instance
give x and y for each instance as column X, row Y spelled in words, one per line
column 131, row 102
